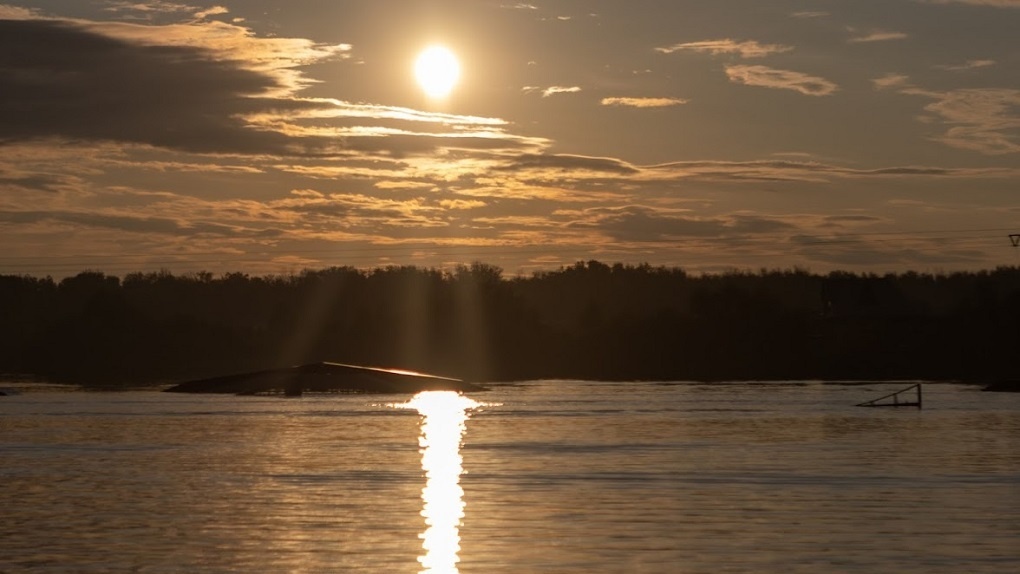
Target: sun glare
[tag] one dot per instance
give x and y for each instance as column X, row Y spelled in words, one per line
column 437, row 71
column 444, row 416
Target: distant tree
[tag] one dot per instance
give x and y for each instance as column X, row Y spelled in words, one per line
column 588, row 319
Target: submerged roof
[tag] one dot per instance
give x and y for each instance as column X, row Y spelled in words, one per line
column 324, row 378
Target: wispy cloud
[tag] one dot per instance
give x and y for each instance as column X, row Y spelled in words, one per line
column 766, row 77
column 230, row 43
column 551, row 90
column 745, row 49
column 877, row 36
column 804, row 171
column 156, row 6
column 150, row 11
column 17, row 13
column 891, row 81
column 128, row 223
column 643, row 102
column 214, row 11
column 553, row 167
column 570, row 162
column 985, row 120
column 810, row 14
column 982, row 120
column 461, row 204
column 27, row 181
column 642, row 223
column 968, row 65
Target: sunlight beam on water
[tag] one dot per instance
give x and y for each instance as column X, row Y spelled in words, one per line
column 444, row 418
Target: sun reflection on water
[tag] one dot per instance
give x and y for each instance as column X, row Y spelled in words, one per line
column 444, row 418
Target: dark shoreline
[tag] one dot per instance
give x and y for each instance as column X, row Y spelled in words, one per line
column 590, row 321
column 29, row 383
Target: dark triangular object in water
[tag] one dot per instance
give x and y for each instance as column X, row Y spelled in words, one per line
column 894, row 400
column 324, row 378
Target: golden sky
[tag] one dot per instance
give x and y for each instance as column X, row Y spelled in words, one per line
column 267, row 136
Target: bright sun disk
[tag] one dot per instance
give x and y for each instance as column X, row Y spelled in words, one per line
column 437, row 71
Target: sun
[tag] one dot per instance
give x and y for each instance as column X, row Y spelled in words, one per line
column 437, row 71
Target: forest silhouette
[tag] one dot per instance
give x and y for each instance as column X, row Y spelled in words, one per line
column 588, row 321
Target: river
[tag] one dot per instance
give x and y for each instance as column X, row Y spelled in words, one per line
column 543, row 476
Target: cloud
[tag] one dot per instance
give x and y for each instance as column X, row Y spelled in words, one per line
column 128, row 223
column 810, row 14
column 745, row 49
column 351, row 210
column 643, row 102
column 877, row 36
column 781, row 79
column 639, row 223
column 157, row 6
column 564, row 162
column 148, row 10
column 223, row 42
column 968, row 65
column 792, row 171
column 891, row 82
column 551, row 90
column 17, row 13
column 204, row 87
column 557, row 168
column 985, row 120
column 112, row 103
column 844, row 251
column 61, row 81
column 840, row 220
column 403, row 185
column 303, row 215
column 33, row 182
column 982, row 120
column 461, row 203
column 220, row 41
column 214, row 11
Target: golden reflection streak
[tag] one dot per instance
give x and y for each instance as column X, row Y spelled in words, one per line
column 444, row 418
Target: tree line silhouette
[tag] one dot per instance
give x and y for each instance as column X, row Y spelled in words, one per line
column 590, row 320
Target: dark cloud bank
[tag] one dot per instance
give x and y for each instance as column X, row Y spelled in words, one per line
column 60, row 81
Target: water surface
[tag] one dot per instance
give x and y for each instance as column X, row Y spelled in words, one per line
column 552, row 476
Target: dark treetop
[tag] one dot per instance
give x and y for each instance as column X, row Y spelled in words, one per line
column 590, row 320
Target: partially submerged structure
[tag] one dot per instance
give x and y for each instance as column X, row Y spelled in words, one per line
column 324, row 378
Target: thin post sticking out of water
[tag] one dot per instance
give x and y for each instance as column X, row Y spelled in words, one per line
column 896, row 402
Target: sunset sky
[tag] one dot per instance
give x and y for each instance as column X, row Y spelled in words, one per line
column 269, row 136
